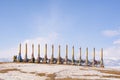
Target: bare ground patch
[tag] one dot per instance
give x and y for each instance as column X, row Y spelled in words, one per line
column 14, row 69
column 32, row 72
column 110, row 72
column 51, row 76
column 111, row 76
column 68, row 78
column 41, row 74
column 3, row 62
column 90, row 75
column 83, row 68
column 7, row 70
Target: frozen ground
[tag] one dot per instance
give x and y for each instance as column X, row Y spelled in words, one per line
column 32, row 71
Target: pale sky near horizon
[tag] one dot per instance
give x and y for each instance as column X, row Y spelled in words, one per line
column 82, row 23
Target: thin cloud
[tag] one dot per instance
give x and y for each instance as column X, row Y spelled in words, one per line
column 111, row 33
column 112, row 52
column 117, row 42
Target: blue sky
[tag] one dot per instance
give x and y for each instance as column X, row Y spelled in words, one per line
column 85, row 23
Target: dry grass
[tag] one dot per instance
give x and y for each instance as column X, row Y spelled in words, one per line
column 32, row 72
column 14, row 69
column 7, row 70
column 51, row 76
column 41, row 74
column 68, row 78
column 23, row 71
column 110, row 72
column 111, row 76
column 83, row 69
column 90, row 75
column 3, row 62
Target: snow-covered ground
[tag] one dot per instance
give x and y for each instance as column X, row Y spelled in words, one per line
column 32, row 71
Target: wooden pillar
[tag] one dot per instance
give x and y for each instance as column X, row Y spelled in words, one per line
column 45, row 56
column 32, row 50
column 93, row 63
column 38, row 50
column 59, row 60
column 73, row 60
column 66, row 56
column 38, row 59
column 20, row 49
column 32, row 56
column 19, row 55
column 26, row 60
column 86, row 57
column 52, row 56
column 80, row 57
column 101, row 62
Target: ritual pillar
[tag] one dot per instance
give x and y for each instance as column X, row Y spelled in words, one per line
column 45, row 56
column 93, row 63
column 86, row 57
column 38, row 59
column 19, row 55
column 80, row 57
column 66, row 56
column 52, row 56
column 101, row 62
column 26, row 60
column 59, row 60
column 32, row 56
column 73, row 60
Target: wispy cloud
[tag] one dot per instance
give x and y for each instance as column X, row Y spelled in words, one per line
column 112, row 52
column 117, row 42
column 52, row 38
column 111, row 33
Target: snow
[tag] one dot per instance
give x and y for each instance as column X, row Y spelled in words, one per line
column 16, row 75
column 29, row 71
